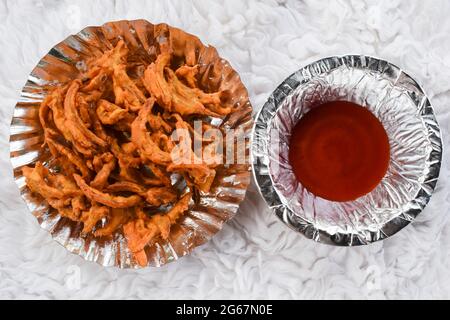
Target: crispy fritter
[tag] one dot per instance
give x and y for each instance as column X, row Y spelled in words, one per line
column 159, row 196
column 125, row 90
column 127, row 186
column 105, row 198
column 109, row 113
column 143, row 230
column 36, row 181
column 171, row 93
column 117, row 217
column 109, row 163
column 122, row 137
column 71, row 156
column 80, row 134
column 188, row 74
column 148, row 149
column 94, row 215
column 185, row 160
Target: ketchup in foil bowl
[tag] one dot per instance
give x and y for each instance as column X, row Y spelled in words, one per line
column 347, row 150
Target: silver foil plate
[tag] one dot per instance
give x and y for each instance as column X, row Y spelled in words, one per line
column 65, row 62
column 415, row 146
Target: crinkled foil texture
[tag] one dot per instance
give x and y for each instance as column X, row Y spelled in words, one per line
column 414, row 138
column 63, row 63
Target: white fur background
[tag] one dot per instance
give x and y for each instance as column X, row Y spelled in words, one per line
column 254, row 256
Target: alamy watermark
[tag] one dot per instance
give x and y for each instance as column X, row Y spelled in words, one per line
column 72, row 280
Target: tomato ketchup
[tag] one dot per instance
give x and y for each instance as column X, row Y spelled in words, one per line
column 339, row 151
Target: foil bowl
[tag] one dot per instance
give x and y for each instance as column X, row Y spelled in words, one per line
column 398, row 102
column 65, row 62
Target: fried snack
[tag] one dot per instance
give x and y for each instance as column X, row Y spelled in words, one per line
column 94, row 215
column 103, row 66
column 55, row 102
column 117, row 217
column 145, row 229
column 175, row 96
column 106, row 198
column 188, row 74
column 128, row 186
column 159, row 196
column 149, row 150
column 72, row 158
column 109, row 113
column 125, row 90
column 36, row 181
column 161, row 176
column 187, row 161
column 185, row 99
column 109, row 163
column 111, row 135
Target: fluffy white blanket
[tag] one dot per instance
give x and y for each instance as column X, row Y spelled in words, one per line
column 254, row 256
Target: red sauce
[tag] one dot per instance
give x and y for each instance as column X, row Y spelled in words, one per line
column 339, row 151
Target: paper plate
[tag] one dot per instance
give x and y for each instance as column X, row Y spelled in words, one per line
column 63, row 63
column 415, row 146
